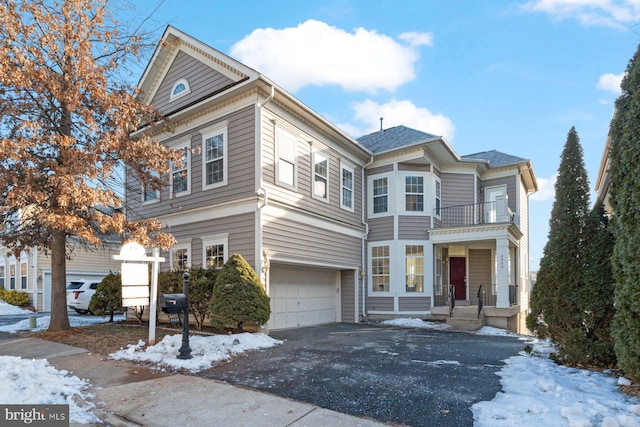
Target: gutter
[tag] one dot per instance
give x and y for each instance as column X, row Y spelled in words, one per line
column 364, row 238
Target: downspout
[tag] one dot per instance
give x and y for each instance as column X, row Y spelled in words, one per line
column 261, row 192
column 34, row 279
column 364, row 238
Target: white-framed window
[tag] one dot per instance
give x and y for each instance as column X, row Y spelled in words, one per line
column 438, row 271
column 414, row 268
column 2, row 273
column 180, row 257
column 380, row 189
column 12, row 276
column 181, row 172
column 346, row 187
column 287, row 163
column 438, row 195
column 215, row 252
column 180, row 88
column 380, row 268
column 414, row 193
column 149, row 194
column 214, row 157
column 23, row 275
column 320, row 176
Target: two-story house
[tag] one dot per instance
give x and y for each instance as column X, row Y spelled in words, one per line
column 338, row 230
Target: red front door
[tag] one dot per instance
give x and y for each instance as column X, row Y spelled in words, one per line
column 457, row 276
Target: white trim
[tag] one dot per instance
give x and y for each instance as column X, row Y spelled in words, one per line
column 209, row 132
column 272, row 212
column 349, row 168
column 391, row 244
column 187, row 90
column 186, row 146
column 204, row 213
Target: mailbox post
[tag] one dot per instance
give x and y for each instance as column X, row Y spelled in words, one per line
column 185, row 350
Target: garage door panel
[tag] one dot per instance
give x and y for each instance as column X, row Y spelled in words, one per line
column 302, row 296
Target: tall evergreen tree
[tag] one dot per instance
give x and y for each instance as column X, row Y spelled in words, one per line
column 624, row 170
column 554, row 304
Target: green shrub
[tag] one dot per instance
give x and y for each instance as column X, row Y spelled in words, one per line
column 201, row 283
column 14, row 297
column 108, row 296
column 239, row 300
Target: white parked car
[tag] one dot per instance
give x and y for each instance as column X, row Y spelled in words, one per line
column 79, row 294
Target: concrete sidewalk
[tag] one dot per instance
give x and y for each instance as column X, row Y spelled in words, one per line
column 127, row 394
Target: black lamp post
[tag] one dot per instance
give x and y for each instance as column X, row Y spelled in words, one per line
column 185, row 350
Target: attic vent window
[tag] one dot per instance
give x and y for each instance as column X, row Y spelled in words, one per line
column 180, row 88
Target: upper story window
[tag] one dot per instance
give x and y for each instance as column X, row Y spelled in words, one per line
column 287, row 164
column 180, row 88
column 346, row 187
column 214, row 159
column 320, row 176
column 438, row 198
column 180, row 257
column 181, row 173
column 2, row 267
column 380, row 195
column 12, row 276
column 414, row 193
column 150, row 194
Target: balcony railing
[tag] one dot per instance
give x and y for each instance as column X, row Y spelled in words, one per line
column 485, row 297
column 474, row 214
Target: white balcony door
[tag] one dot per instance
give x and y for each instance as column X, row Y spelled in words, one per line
column 491, row 194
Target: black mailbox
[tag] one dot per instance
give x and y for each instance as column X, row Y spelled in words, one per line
column 173, row 303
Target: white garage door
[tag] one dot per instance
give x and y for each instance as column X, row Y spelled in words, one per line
column 303, row 296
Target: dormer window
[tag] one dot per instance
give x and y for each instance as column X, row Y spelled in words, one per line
column 180, row 88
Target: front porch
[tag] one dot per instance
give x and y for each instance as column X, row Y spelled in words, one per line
column 478, row 267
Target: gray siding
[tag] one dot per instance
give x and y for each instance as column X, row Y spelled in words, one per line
column 289, row 237
column 512, row 190
column 380, row 169
column 414, row 304
column 380, row 229
column 457, row 189
column 413, row 167
column 348, row 297
column 241, row 170
column 413, row 227
column 240, row 228
column 201, row 78
column 303, row 196
column 479, row 272
column 380, row 303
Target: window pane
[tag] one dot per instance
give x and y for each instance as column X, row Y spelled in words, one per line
column 214, row 147
column 414, row 268
column 214, row 256
column 215, row 171
column 285, row 172
column 380, row 268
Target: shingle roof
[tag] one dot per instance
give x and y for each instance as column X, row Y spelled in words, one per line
column 395, row 137
column 495, row 158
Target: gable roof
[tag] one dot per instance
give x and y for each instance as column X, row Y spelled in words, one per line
column 393, row 138
column 495, row 158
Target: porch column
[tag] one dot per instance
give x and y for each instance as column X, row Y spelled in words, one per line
column 502, row 273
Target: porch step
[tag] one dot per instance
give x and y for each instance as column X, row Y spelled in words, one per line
column 465, row 319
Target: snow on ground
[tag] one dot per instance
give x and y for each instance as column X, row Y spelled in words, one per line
column 535, row 391
column 8, row 309
column 204, row 350
column 415, row 323
column 43, row 322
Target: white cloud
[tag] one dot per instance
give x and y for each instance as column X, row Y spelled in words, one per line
column 315, row 53
column 610, row 82
column 395, row 113
column 546, row 188
column 611, row 13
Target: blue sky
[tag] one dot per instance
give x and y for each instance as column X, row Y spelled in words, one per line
column 513, row 76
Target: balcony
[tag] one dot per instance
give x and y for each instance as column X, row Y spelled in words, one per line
column 475, row 214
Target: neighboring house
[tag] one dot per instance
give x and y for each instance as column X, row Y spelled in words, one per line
column 31, row 271
column 603, row 181
column 338, row 230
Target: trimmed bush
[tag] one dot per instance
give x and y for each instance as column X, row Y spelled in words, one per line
column 13, row 297
column 239, row 299
column 201, row 283
column 108, row 296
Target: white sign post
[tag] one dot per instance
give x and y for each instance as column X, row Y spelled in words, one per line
column 135, row 280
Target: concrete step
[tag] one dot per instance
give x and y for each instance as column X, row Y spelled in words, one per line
column 465, row 312
column 465, row 324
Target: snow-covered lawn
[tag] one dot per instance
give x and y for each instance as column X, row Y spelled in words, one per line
column 536, row 391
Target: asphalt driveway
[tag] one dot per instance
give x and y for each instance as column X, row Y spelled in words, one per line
column 415, row 377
